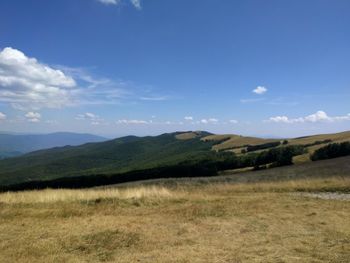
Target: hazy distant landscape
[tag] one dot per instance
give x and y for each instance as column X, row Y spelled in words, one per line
column 12, row 145
column 174, row 131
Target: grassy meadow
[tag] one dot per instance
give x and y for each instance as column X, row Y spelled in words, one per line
column 193, row 220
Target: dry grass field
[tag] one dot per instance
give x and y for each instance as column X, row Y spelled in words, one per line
column 216, row 222
column 229, row 141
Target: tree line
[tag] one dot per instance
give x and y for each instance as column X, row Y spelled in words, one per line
column 332, row 150
column 201, row 166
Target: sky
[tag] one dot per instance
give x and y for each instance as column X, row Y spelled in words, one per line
column 117, row 67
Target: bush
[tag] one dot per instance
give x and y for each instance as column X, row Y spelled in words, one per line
column 332, row 150
column 252, row 148
column 279, row 156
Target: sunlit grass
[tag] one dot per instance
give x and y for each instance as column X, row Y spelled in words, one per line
column 216, row 222
column 160, row 192
column 63, row 195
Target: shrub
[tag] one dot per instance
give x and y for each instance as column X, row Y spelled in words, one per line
column 252, row 148
column 332, row 150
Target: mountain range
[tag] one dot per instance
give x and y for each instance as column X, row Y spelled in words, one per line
column 16, row 144
column 132, row 153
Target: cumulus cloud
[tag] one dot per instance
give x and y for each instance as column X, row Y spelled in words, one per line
column 260, row 90
column 2, row 116
column 233, row 121
column 209, row 121
column 132, row 122
column 319, row 116
column 188, row 118
column 26, row 82
column 33, row 116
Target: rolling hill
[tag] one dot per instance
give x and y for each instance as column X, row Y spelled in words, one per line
column 131, row 153
column 114, row 156
column 15, row 144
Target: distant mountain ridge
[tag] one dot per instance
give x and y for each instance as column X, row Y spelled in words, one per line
column 17, row 144
column 129, row 154
column 118, row 155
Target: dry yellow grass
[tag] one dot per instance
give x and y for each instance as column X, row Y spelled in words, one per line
column 210, row 223
column 231, row 140
column 187, row 135
column 63, row 195
column 335, row 137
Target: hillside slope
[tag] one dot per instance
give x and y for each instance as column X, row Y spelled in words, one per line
column 326, row 169
column 114, row 156
column 236, row 143
column 131, row 153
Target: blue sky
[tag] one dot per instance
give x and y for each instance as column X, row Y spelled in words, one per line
column 118, row 67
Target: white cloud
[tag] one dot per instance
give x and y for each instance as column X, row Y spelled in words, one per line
column 91, row 117
column 25, row 82
column 87, row 116
column 33, row 116
column 233, row 121
column 260, row 90
column 109, row 2
column 342, row 118
column 209, row 121
column 319, row 116
column 136, row 3
column 188, row 118
column 2, row 116
column 284, row 119
column 132, row 122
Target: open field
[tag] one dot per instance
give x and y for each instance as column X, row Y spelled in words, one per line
column 199, row 220
column 236, row 143
column 309, row 171
column 232, row 140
